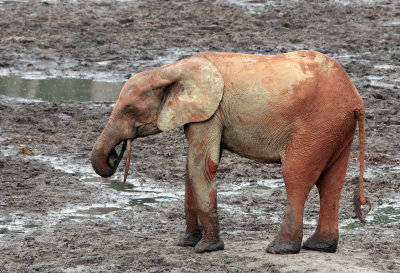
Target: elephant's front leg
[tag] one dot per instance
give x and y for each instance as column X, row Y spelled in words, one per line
column 193, row 232
column 203, row 158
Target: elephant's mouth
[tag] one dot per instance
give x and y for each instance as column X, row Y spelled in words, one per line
column 114, row 158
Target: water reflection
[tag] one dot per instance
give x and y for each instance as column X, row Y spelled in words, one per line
column 60, row 89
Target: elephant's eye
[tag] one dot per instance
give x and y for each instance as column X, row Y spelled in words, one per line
column 129, row 110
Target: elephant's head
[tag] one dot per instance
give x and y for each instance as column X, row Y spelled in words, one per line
column 158, row 100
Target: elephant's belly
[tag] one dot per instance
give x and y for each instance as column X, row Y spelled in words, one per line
column 257, row 144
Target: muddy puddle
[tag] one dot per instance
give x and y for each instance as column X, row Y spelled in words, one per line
column 257, row 7
column 133, row 193
column 385, row 215
column 24, row 223
column 19, row 224
column 60, row 89
column 24, row 1
column 137, row 193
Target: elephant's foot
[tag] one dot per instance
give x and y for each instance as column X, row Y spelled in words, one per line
column 204, row 246
column 278, row 246
column 324, row 242
column 189, row 239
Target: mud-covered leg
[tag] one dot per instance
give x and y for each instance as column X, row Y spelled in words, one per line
column 329, row 186
column 288, row 240
column 193, row 233
column 203, row 159
column 299, row 179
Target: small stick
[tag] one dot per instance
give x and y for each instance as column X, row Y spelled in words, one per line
column 128, row 159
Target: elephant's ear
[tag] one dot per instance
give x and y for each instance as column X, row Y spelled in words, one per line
column 193, row 96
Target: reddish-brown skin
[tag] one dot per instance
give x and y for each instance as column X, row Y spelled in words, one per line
column 300, row 109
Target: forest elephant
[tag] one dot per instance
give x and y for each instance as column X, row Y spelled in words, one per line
column 299, row 109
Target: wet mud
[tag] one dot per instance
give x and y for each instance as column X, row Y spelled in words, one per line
column 56, row 215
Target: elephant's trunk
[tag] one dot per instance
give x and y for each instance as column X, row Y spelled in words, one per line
column 105, row 159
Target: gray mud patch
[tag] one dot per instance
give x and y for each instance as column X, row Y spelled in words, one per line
column 55, row 216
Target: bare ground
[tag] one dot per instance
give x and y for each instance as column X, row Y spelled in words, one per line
column 122, row 38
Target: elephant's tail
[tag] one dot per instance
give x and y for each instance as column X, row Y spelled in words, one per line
column 359, row 198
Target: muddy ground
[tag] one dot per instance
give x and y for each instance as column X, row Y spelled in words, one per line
column 57, row 216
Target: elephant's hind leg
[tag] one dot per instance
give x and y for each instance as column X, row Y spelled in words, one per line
column 329, row 186
column 301, row 169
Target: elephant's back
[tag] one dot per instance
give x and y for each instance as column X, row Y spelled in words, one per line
column 292, row 82
column 272, row 74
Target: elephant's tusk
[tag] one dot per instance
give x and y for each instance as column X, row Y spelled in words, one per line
column 128, row 158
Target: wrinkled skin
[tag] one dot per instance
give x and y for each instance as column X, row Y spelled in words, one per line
column 300, row 109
